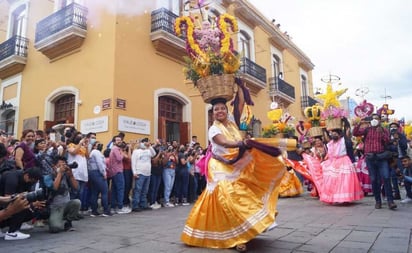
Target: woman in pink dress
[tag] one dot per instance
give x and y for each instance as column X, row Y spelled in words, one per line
column 362, row 170
column 335, row 178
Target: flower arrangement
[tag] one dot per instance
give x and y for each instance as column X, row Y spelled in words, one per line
column 209, row 46
column 333, row 113
column 313, row 114
column 280, row 124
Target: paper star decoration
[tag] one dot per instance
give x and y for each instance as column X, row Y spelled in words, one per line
column 330, row 98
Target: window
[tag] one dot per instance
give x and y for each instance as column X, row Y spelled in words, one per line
column 244, row 44
column 304, row 83
column 18, row 21
column 276, row 66
column 9, row 122
column 171, row 109
column 64, row 108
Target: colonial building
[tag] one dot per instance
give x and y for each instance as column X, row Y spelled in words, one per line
column 108, row 68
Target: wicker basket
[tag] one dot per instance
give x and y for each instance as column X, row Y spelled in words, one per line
column 216, row 86
column 335, row 123
column 315, row 131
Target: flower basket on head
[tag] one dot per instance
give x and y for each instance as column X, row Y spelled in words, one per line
column 315, row 131
column 217, row 86
column 212, row 61
column 333, row 123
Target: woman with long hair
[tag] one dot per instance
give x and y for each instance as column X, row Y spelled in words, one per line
column 240, row 198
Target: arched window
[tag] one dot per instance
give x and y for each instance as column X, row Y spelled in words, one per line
column 171, row 115
column 244, row 44
column 64, row 109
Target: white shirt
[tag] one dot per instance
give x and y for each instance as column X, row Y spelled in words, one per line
column 142, row 161
column 216, row 148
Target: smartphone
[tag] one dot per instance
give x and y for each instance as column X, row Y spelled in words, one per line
column 52, row 136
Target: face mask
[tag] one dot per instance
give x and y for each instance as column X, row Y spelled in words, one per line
column 92, row 141
column 374, row 122
column 335, row 137
column 142, row 145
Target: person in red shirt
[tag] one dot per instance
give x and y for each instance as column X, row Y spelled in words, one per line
column 376, row 138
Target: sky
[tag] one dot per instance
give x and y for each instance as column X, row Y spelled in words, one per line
column 367, row 43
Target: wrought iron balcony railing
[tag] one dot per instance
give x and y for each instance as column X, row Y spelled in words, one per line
column 15, row 46
column 307, row 101
column 278, row 85
column 163, row 19
column 71, row 15
column 249, row 67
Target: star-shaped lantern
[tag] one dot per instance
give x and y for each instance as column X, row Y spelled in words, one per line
column 330, row 98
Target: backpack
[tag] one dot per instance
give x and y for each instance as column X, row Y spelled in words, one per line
column 6, row 165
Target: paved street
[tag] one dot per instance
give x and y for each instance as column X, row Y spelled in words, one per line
column 305, row 225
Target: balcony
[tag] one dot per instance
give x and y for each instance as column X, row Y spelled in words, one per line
column 163, row 35
column 62, row 32
column 281, row 91
column 307, row 101
column 253, row 75
column 13, row 56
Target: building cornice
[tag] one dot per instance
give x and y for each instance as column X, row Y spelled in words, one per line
column 244, row 9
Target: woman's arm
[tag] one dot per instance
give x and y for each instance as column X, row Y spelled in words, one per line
column 18, row 156
column 221, row 140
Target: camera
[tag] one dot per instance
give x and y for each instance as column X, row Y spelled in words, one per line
column 73, row 165
column 37, row 195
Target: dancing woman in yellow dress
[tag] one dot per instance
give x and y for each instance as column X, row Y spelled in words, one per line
column 240, row 198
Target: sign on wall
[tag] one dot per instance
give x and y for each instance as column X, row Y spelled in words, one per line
column 134, row 125
column 95, row 125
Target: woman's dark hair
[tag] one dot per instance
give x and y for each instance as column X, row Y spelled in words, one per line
column 106, row 152
column 34, row 173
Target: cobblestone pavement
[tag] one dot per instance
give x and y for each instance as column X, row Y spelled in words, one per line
column 305, row 225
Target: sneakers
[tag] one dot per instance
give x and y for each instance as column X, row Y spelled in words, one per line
column 68, row 226
column 106, row 214
column 95, row 214
column 406, row 200
column 16, row 236
column 155, row 206
column 26, row 226
column 168, row 204
column 124, row 210
column 39, row 224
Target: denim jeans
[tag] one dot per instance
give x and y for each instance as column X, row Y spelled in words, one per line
column 98, row 185
column 117, row 190
column 155, row 181
column 168, row 181
column 379, row 170
column 141, row 187
column 128, row 182
column 407, row 182
column 182, row 184
column 83, row 195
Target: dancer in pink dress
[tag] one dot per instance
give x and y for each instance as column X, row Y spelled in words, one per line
column 335, row 178
column 362, row 170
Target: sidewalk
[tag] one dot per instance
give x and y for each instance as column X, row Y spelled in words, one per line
column 305, row 225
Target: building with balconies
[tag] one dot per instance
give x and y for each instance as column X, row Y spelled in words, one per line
column 107, row 68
